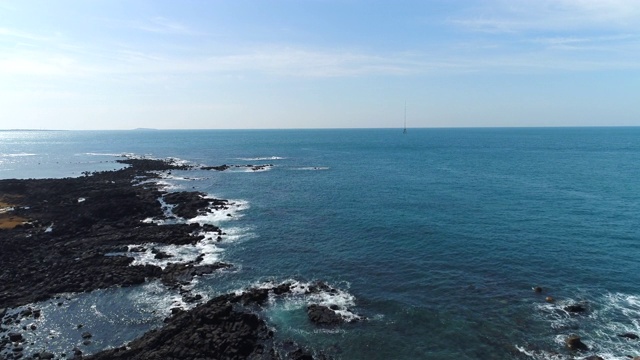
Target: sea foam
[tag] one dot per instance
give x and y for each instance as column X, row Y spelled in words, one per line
column 607, row 317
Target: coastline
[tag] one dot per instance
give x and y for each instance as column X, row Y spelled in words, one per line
column 75, row 235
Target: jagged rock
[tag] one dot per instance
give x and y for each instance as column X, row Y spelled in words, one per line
column 321, row 314
column 187, row 204
column 253, row 296
column 282, row 289
column 175, row 275
column 319, row 287
column 217, row 168
column 574, row 342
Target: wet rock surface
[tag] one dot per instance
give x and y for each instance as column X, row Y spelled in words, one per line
column 574, row 342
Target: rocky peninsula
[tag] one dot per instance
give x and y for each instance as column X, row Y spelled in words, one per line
column 73, row 235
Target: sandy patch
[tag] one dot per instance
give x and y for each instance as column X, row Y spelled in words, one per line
column 8, row 221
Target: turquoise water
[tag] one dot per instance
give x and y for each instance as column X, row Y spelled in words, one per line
column 436, row 236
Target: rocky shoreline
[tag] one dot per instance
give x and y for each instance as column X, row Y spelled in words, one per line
column 74, row 235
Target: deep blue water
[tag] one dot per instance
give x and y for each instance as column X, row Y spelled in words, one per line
column 436, row 236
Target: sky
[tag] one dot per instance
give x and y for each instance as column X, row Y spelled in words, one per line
column 112, row 64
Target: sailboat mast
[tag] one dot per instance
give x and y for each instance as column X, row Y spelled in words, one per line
column 405, row 118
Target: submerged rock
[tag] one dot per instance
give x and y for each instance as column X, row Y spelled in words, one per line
column 630, row 336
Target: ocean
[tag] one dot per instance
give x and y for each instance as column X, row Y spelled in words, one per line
column 435, row 238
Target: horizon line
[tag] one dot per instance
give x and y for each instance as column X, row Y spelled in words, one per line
column 341, row 128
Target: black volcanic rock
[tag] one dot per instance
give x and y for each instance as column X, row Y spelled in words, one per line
column 75, row 222
column 218, row 168
column 187, row 204
column 177, row 274
column 213, row 331
column 321, row 314
column 574, row 342
column 575, row 308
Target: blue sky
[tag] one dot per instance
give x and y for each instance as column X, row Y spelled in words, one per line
column 108, row 64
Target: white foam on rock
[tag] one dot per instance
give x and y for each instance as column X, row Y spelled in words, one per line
column 215, row 216
column 301, row 295
column 154, row 295
column 207, row 248
column 608, row 316
column 173, row 177
column 541, row 355
column 178, row 253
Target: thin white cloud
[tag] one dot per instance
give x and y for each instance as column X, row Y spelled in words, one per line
column 513, row 16
column 300, row 62
column 22, row 35
column 162, row 25
column 592, row 43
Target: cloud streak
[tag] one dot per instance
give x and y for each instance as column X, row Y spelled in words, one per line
column 162, row 25
column 516, row 16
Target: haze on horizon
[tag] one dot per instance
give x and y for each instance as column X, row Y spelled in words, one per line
column 112, row 64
